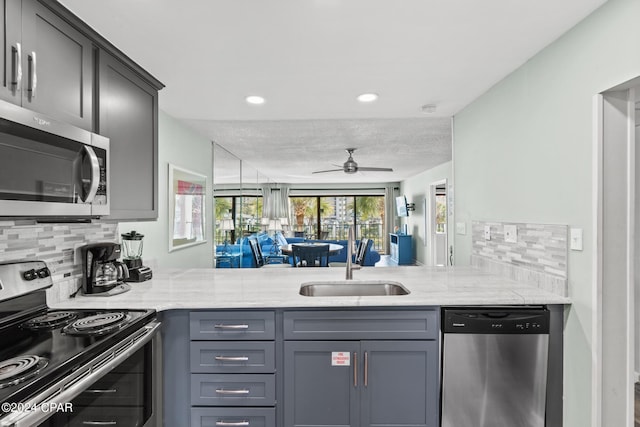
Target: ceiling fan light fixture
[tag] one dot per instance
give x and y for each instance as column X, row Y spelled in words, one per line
column 350, row 166
column 367, row 97
column 255, row 100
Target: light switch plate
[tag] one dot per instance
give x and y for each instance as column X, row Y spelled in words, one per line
column 511, row 233
column 487, row 232
column 461, row 228
column 575, row 239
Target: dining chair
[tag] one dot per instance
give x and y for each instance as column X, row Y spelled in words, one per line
column 310, row 256
column 363, row 250
column 360, row 254
column 260, row 259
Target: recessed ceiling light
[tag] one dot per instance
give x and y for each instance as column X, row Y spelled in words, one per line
column 255, row 99
column 368, row 97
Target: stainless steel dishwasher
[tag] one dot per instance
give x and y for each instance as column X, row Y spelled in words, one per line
column 494, row 370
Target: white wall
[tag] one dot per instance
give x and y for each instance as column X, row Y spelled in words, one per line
column 182, row 147
column 417, row 189
column 523, row 153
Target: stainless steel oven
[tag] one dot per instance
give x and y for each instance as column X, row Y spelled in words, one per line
column 74, row 367
column 50, row 168
column 126, row 395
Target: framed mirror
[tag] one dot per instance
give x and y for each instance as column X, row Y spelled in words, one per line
column 187, row 196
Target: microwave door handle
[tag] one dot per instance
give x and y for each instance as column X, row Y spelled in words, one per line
column 95, row 174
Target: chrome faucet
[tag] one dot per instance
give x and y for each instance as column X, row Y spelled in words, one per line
column 350, row 243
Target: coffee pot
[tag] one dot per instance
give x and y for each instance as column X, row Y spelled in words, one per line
column 103, row 273
column 132, row 244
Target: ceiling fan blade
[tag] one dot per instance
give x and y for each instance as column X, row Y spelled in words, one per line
column 329, row 170
column 364, row 168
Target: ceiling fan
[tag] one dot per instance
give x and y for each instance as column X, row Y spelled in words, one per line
column 350, row 166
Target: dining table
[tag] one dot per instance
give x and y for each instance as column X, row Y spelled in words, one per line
column 334, row 248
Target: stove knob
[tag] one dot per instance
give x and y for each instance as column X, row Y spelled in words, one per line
column 30, row 275
column 43, row 272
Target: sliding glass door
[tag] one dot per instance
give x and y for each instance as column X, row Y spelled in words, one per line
column 329, row 217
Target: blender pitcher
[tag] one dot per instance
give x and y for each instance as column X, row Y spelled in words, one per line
column 132, row 248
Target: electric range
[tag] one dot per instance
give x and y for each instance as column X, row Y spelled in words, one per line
column 52, row 355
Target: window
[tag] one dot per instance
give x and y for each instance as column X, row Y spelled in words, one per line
column 329, row 217
column 246, row 213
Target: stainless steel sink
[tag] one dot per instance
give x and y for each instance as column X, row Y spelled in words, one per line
column 352, row 288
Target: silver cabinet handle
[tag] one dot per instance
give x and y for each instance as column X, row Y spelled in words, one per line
column 366, row 368
column 100, row 423
column 240, row 391
column 232, row 423
column 16, row 67
column 96, row 391
column 223, row 326
column 33, row 75
column 355, row 369
column 232, row 358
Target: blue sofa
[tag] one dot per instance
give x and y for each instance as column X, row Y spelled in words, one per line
column 242, row 246
column 266, row 243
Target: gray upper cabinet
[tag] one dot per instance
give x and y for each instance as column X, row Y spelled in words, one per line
column 128, row 116
column 57, row 65
column 48, row 64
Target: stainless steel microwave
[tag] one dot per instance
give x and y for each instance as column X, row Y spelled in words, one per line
column 49, row 168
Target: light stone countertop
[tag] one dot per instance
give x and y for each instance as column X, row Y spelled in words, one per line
column 278, row 288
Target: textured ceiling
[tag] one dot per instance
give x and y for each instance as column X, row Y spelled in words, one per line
column 288, row 151
column 311, row 58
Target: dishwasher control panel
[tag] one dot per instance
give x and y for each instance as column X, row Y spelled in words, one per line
column 495, row 320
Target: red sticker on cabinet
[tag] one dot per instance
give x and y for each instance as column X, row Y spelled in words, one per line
column 340, row 358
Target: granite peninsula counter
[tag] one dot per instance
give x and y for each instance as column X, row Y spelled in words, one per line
column 278, row 288
column 211, row 318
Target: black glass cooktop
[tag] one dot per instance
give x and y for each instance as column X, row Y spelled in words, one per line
column 49, row 344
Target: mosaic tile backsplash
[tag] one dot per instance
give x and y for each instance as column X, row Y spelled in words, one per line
column 56, row 245
column 539, row 256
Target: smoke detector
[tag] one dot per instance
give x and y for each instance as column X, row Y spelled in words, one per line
column 428, row 108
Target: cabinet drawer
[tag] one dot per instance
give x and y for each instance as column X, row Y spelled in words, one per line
column 106, row 416
column 375, row 324
column 232, row 325
column 233, row 356
column 114, row 389
column 233, row 417
column 233, row 390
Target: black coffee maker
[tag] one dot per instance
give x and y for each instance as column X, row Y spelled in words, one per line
column 103, row 274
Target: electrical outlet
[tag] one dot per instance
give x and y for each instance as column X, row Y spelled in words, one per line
column 487, row 232
column 511, row 233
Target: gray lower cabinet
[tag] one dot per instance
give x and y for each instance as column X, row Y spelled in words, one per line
column 48, row 64
column 332, row 378
column 366, row 383
column 311, row 368
column 128, row 116
column 233, row 365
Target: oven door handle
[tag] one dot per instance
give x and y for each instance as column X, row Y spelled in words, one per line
column 71, row 386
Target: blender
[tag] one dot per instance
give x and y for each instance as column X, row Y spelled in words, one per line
column 132, row 248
